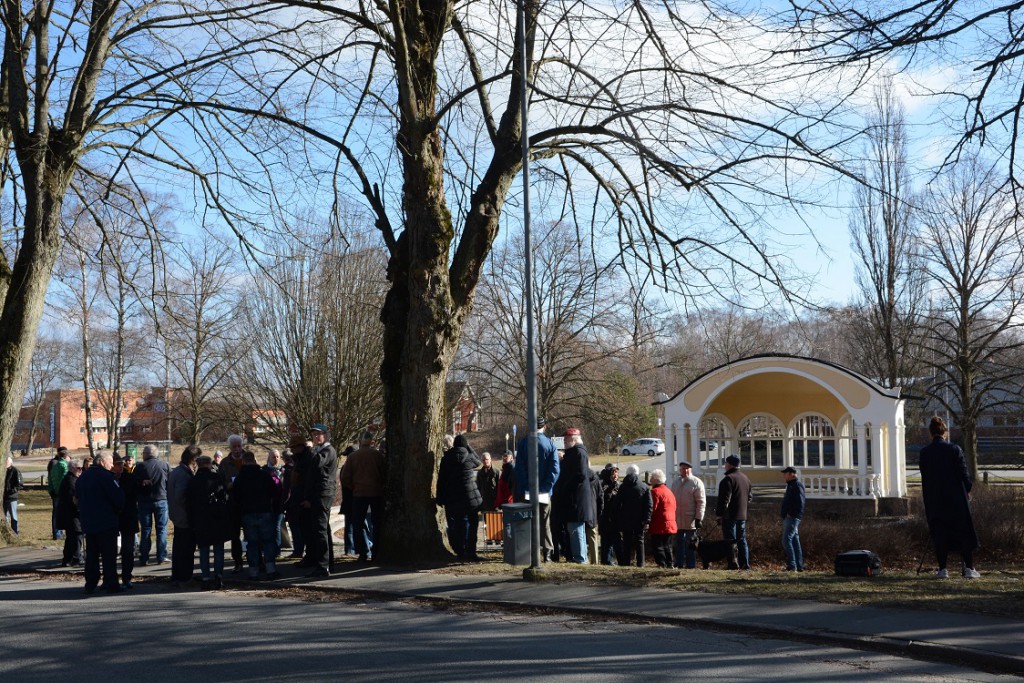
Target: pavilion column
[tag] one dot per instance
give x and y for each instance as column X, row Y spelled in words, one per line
column 877, row 464
column 862, row 449
column 897, row 474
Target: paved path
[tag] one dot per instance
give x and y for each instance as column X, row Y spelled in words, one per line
column 985, row 643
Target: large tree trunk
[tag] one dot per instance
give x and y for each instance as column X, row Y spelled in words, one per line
column 23, row 302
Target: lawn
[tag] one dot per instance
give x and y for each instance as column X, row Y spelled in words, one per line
column 1000, row 591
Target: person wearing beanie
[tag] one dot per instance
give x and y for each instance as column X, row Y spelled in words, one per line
column 734, row 495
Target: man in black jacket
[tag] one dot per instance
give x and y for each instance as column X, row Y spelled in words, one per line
column 734, row 495
column 256, row 497
column 228, row 470
column 458, row 493
column 793, row 502
column 128, row 522
column 319, row 490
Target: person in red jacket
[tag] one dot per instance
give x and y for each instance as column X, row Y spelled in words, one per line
column 663, row 520
column 506, row 480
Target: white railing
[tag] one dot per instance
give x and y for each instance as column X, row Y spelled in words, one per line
column 832, row 485
column 840, row 485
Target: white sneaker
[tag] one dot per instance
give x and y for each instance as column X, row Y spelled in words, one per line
column 942, row 574
column 971, row 573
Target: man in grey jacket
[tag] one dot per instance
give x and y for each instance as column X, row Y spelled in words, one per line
column 183, row 548
column 151, row 476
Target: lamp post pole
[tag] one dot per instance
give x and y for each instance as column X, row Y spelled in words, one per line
column 531, row 380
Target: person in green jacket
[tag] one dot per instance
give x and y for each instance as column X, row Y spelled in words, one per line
column 55, row 472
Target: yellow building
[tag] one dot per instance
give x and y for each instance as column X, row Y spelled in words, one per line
column 843, row 432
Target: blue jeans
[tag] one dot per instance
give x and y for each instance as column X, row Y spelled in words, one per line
column 791, row 543
column 685, row 555
column 218, row 560
column 366, row 525
column 148, row 511
column 736, row 529
column 11, row 512
column 577, row 532
column 260, row 539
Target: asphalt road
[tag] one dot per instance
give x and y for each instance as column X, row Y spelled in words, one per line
column 53, row 632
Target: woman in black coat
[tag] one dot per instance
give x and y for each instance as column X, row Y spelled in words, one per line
column 458, row 493
column 946, row 485
column 633, row 505
column 210, row 518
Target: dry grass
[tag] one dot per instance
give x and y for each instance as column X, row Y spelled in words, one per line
column 998, row 592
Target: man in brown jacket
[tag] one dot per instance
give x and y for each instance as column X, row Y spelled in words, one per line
column 363, row 474
column 734, row 494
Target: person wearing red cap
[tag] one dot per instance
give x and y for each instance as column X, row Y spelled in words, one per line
column 572, row 497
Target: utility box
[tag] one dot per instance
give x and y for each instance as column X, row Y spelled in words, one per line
column 517, row 521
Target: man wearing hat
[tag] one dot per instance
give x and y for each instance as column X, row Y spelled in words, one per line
column 547, row 469
column 792, row 510
column 319, row 490
column 691, row 502
column 573, row 496
column 734, row 494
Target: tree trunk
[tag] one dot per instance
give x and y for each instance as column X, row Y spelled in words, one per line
column 23, row 303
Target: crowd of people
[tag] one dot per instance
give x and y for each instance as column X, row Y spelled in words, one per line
column 213, row 502
column 585, row 516
column 590, row 517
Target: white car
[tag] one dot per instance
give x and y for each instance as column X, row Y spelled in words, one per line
column 651, row 447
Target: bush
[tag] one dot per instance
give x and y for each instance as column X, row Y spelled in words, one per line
column 900, row 541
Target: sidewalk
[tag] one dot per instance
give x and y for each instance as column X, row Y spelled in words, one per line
column 987, row 643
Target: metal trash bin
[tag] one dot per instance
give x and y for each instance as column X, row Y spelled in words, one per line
column 517, row 520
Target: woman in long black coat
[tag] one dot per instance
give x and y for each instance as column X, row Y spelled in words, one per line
column 458, row 493
column 946, row 485
column 210, row 518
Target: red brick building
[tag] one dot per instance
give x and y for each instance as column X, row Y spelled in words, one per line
column 60, row 419
column 463, row 410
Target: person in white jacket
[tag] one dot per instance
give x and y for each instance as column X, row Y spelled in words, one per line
column 691, row 500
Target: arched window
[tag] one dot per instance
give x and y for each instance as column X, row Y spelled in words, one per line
column 760, row 441
column 814, row 442
column 714, row 438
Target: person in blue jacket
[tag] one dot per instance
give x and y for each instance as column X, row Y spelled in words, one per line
column 547, row 468
column 793, row 502
column 100, row 501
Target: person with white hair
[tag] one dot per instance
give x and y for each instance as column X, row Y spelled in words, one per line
column 573, row 496
column 151, row 477
column 100, row 501
column 633, row 510
column 663, row 520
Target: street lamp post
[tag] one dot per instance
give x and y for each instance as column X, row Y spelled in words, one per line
column 531, row 379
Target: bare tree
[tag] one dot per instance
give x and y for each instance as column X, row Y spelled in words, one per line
column 48, row 370
column 96, row 89
column 884, row 239
column 201, row 323
column 975, row 260
column 316, row 346
column 979, row 43
column 583, row 318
